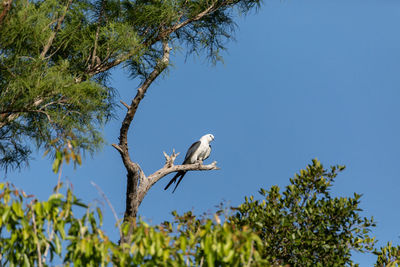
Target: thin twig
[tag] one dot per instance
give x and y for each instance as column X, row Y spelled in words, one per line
column 110, row 205
column 251, row 253
column 59, row 177
column 51, row 236
column 125, row 104
column 117, row 148
column 99, row 22
column 37, row 240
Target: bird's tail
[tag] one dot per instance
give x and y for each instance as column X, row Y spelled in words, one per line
column 180, row 179
column 179, row 175
column 172, row 180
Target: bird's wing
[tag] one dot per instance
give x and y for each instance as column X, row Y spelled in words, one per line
column 192, row 149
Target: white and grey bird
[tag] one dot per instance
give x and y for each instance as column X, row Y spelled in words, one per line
column 198, row 151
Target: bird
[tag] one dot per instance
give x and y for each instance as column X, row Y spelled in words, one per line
column 198, row 151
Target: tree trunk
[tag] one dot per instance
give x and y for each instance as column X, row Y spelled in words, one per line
column 131, row 206
column 131, row 197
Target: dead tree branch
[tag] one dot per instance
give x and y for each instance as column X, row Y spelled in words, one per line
column 168, row 168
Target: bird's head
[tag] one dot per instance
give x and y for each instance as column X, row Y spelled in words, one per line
column 207, row 137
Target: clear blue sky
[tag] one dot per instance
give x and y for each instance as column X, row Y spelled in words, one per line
column 305, row 79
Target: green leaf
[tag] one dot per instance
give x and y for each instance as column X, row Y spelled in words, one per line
column 57, row 242
column 57, row 196
column 100, row 214
column 56, row 165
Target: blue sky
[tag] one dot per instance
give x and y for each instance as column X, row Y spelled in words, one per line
column 305, row 79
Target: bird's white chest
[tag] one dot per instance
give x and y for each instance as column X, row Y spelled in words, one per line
column 203, row 151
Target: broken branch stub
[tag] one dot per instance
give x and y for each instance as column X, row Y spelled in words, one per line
column 169, row 160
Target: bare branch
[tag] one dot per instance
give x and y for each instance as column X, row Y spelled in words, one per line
column 6, row 6
column 125, row 104
column 100, row 21
column 62, row 100
column 110, row 205
column 95, row 48
column 53, row 34
column 117, row 148
column 59, row 177
column 104, row 67
column 167, row 169
column 156, row 176
column 7, row 118
column 130, row 114
column 199, row 16
column 169, row 160
column 51, row 236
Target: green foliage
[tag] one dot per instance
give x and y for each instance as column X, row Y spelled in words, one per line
column 304, row 225
column 189, row 241
column 388, row 256
column 33, row 231
column 65, row 153
column 42, row 98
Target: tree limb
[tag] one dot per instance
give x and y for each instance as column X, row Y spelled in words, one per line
column 53, row 34
column 7, row 6
column 168, row 168
column 176, row 27
column 147, row 182
column 100, row 21
column 132, row 108
column 156, row 176
column 8, row 116
column 125, row 104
